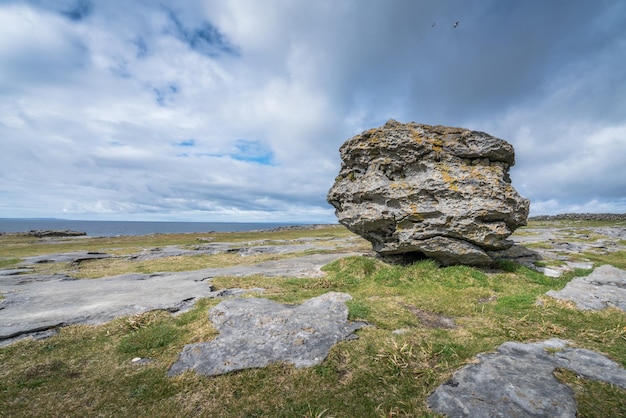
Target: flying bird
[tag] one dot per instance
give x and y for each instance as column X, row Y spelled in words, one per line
column 433, row 25
column 456, row 24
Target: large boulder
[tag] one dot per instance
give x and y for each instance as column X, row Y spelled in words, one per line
column 417, row 190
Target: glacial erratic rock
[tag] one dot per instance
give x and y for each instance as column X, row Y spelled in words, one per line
column 419, row 190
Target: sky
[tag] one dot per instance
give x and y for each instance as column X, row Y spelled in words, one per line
column 234, row 110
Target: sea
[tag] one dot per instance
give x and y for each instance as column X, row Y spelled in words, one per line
column 117, row 228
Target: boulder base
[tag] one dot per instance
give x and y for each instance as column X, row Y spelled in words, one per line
column 419, row 190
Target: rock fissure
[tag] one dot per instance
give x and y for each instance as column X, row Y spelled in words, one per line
column 33, row 331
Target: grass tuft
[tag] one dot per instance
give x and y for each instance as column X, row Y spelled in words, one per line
column 143, row 342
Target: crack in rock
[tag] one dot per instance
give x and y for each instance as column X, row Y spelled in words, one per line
column 257, row 332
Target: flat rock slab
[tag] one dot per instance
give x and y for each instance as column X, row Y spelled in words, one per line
column 603, row 288
column 34, row 302
column 220, row 247
column 518, row 381
column 258, row 332
column 563, row 249
column 71, row 257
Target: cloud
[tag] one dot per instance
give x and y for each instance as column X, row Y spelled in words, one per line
column 37, row 50
column 235, row 110
column 80, row 10
column 206, row 38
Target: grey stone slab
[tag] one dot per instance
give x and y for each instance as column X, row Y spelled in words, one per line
column 585, row 265
column 275, row 249
column 69, row 257
column 13, row 272
column 603, row 288
column 258, row 332
column 518, row 381
column 33, row 303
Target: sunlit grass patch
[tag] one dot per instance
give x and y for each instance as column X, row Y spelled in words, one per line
column 588, row 392
column 19, row 246
column 93, row 269
column 538, row 245
column 8, row 262
column 614, row 258
column 565, row 223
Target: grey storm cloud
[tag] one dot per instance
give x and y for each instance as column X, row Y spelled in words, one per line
column 234, row 110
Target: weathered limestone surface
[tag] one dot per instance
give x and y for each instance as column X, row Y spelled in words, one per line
column 518, row 381
column 429, row 190
column 257, row 332
column 36, row 303
column 605, row 287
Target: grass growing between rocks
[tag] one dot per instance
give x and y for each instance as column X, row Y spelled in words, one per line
column 425, row 323
column 94, row 269
column 24, row 246
column 616, row 259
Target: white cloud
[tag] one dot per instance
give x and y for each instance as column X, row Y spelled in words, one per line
column 234, row 110
column 36, row 48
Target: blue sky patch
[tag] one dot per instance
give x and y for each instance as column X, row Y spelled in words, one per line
column 165, row 94
column 142, row 47
column 253, row 151
column 187, row 143
column 80, row 11
column 206, row 39
column 246, row 150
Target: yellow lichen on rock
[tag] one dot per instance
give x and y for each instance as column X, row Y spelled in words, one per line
column 447, row 178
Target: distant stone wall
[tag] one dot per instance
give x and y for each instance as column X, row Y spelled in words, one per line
column 581, row 217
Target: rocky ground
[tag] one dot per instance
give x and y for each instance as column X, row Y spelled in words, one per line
column 38, row 304
column 516, row 380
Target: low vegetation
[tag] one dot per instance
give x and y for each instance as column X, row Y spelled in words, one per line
column 425, row 323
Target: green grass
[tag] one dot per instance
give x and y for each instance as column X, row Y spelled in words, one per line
column 17, row 246
column 573, row 223
column 87, row 370
column 616, row 259
column 9, row 262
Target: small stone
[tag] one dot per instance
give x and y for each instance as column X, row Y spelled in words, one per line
column 141, row 361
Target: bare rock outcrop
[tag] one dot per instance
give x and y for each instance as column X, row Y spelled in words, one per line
column 418, row 190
